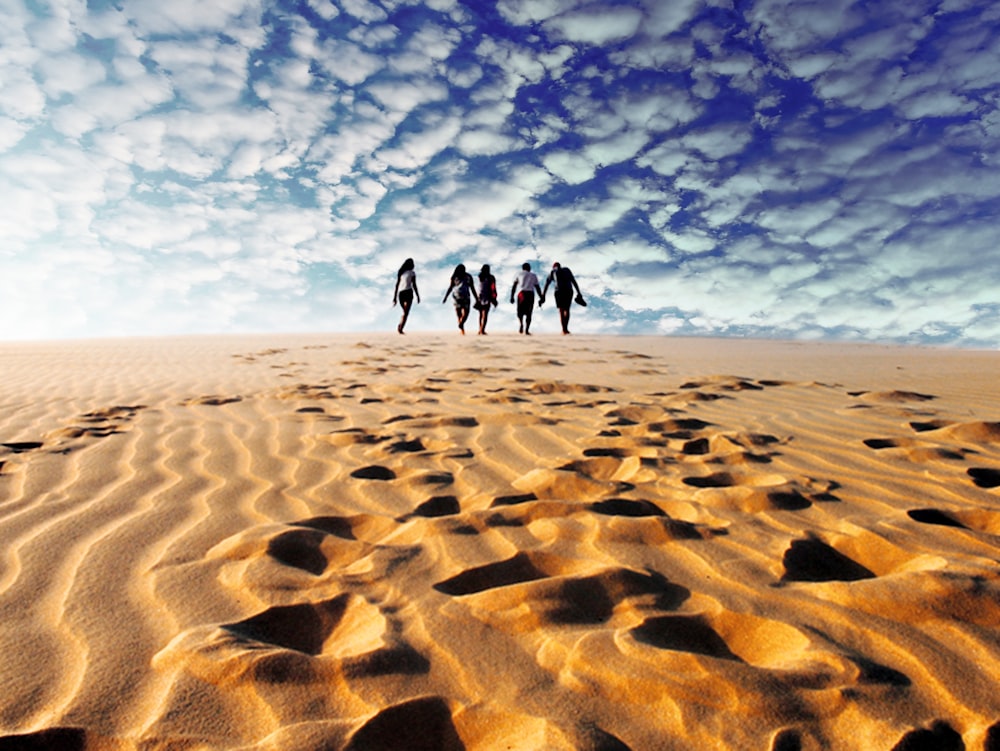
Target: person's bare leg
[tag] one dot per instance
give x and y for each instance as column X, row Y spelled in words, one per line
column 402, row 321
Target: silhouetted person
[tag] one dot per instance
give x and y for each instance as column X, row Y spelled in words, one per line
column 487, row 296
column 565, row 284
column 461, row 289
column 406, row 288
column 528, row 283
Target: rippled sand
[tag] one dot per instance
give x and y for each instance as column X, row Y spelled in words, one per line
column 436, row 542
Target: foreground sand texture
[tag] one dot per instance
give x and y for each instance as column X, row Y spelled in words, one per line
column 430, row 542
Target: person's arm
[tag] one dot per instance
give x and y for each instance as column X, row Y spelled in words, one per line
column 547, row 282
column 541, row 294
column 395, row 292
column 416, row 292
column 513, row 290
column 450, row 288
column 575, row 285
column 472, row 286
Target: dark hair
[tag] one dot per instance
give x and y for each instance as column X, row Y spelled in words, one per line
column 526, row 266
column 485, row 271
column 407, row 265
column 459, row 271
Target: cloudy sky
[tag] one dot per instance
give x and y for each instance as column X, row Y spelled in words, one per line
column 782, row 168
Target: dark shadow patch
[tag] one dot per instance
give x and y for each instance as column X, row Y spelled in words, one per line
column 923, row 427
column 19, row 447
column 696, row 447
column 593, row 738
column 615, row 453
column 515, row 570
column 398, row 418
column 374, row 472
column 399, row 660
column 311, row 410
column 406, row 446
column 992, row 740
column 940, row 737
column 985, row 478
column 788, row 500
column 624, row 507
column 338, row 526
column 874, row 672
column 592, row 599
column 881, row 443
column 788, row 739
column 360, row 436
column 811, row 560
column 934, row 516
column 683, row 633
column 435, row 478
column 423, row 724
column 716, row 480
column 301, row 628
column 53, row 739
column 440, row 505
column 513, row 500
column 299, row 548
column 499, row 520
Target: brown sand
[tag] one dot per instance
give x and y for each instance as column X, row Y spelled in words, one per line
column 436, row 542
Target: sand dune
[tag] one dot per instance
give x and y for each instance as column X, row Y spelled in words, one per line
column 435, row 542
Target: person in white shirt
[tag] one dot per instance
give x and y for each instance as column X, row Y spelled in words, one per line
column 528, row 283
column 406, row 288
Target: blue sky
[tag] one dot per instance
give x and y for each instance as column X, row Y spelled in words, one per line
column 778, row 168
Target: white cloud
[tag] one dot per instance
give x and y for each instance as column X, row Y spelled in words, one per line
column 569, row 166
column 69, row 73
column 596, row 24
column 619, row 148
column 527, row 12
column 206, row 73
column 363, row 10
column 192, row 16
column 402, row 97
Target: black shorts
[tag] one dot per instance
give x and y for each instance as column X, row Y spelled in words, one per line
column 406, row 297
column 525, row 302
column 564, row 298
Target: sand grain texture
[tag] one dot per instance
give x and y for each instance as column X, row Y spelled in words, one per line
column 434, row 542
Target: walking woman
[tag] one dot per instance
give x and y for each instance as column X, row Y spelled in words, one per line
column 487, row 296
column 460, row 289
column 406, row 288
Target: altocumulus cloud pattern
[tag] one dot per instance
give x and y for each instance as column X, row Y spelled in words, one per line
column 787, row 168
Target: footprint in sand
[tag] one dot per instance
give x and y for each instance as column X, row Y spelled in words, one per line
column 984, row 477
column 21, row 447
column 394, row 727
column 374, row 472
column 940, row 737
column 812, row 560
column 211, row 400
column 683, row 633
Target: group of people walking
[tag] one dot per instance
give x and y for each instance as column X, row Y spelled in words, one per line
column 463, row 289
